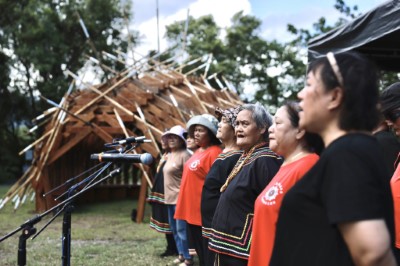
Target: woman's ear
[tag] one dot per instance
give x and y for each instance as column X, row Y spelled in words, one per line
column 336, row 98
column 300, row 133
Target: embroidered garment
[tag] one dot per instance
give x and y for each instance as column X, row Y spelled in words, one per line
column 232, row 222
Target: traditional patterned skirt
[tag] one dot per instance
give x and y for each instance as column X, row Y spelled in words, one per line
column 159, row 214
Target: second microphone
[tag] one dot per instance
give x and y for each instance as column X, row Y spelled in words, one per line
column 144, row 158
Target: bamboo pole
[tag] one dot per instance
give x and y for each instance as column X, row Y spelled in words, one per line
column 210, row 56
column 121, row 123
column 148, row 128
column 175, row 103
column 188, row 64
column 57, row 119
column 193, row 90
column 195, row 69
column 102, row 65
column 104, row 94
column 36, row 142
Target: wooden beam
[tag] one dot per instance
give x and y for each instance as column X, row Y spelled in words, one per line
column 178, row 90
column 103, row 94
column 134, row 151
column 69, row 145
column 192, row 89
column 141, row 200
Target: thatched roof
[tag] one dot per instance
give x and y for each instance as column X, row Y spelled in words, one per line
column 130, row 104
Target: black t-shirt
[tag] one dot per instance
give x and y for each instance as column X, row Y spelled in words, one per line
column 215, row 178
column 348, row 183
column 390, row 146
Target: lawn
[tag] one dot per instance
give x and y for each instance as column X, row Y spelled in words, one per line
column 102, row 234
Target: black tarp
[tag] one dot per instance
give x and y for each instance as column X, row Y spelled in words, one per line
column 375, row 34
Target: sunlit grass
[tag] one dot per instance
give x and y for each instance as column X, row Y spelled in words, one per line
column 102, row 234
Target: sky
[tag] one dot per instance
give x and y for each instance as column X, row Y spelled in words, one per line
column 275, row 15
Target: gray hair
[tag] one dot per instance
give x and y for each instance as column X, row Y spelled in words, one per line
column 260, row 115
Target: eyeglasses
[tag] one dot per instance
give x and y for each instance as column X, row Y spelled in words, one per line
column 332, row 61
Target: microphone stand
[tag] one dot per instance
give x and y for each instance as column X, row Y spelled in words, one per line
column 70, row 181
column 27, row 231
column 81, row 174
column 68, row 208
column 28, row 227
column 66, row 235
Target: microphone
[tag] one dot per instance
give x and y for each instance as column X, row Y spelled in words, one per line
column 144, row 158
column 128, row 140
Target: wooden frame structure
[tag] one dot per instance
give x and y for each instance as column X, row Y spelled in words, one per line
column 138, row 101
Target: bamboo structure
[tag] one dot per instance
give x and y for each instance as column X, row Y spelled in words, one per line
column 142, row 100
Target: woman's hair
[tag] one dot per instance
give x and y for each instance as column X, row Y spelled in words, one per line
column 182, row 144
column 261, row 117
column 213, row 139
column 359, row 78
column 311, row 142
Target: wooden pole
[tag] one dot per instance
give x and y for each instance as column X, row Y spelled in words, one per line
column 121, row 123
column 193, row 90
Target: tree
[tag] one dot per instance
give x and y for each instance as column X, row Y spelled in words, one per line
column 242, row 56
column 275, row 71
column 45, row 37
column 268, row 63
column 198, row 39
column 303, row 36
column 39, row 39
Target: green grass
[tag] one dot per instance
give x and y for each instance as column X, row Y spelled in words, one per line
column 102, row 234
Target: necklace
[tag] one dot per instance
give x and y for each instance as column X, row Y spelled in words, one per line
column 239, row 165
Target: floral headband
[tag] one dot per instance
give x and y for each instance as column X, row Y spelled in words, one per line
column 230, row 114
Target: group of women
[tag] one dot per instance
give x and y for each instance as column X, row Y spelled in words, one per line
column 271, row 196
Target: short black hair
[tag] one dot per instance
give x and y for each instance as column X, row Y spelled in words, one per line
column 359, row 110
column 390, row 100
column 312, row 142
column 213, row 139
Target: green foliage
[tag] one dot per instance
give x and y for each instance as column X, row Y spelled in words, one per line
column 303, row 36
column 39, row 39
column 241, row 55
column 346, row 10
column 44, row 35
column 388, row 78
column 13, row 108
column 320, row 26
column 274, row 70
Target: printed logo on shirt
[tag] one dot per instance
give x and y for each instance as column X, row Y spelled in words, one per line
column 269, row 197
column 193, row 166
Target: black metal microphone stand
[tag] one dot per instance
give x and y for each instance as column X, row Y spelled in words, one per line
column 28, row 227
column 27, row 231
column 66, row 235
column 68, row 208
column 70, row 181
